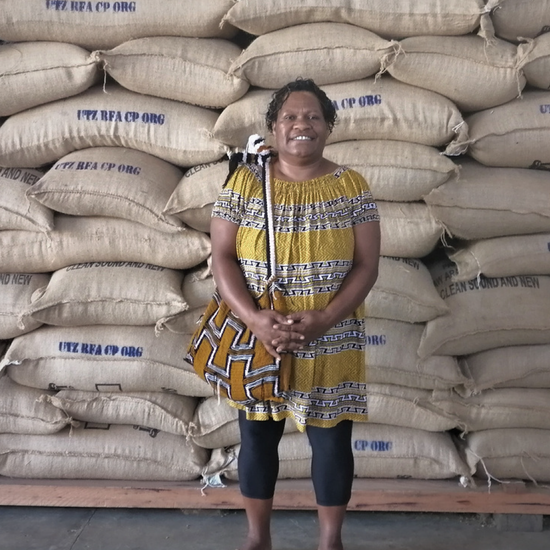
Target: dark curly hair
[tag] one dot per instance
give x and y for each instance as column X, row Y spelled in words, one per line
column 300, row 85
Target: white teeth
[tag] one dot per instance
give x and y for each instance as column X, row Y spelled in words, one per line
column 302, row 138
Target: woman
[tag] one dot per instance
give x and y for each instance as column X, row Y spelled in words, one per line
column 327, row 239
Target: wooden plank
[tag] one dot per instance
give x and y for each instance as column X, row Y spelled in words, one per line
column 369, row 494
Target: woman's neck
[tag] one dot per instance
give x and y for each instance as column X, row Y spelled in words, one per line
column 288, row 171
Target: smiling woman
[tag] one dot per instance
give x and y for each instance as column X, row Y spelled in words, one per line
column 327, row 241
column 300, row 131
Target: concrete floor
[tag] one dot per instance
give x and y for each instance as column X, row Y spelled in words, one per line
column 28, row 528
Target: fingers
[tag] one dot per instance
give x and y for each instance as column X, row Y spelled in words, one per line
column 280, row 319
column 291, row 336
column 295, row 317
column 288, row 343
column 282, row 336
column 287, row 333
column 289, row 348
column 272, row 351
column 275, row 350
column 286, row 326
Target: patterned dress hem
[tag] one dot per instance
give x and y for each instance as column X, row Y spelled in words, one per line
column 319, row 423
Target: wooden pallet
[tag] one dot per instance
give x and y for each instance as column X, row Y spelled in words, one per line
column 368, row 495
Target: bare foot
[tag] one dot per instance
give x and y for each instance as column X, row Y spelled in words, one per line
column 333, row 547
column 254, row 544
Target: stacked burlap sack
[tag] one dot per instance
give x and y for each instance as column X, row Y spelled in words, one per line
column 97, row 388
column 137, row 142
column 90, row 378
column 497, row 286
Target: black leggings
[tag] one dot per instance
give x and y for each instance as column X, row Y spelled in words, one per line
column 331, row 466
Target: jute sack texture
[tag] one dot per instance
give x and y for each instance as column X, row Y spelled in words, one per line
column 489, row 202
column 102, row 451
column 406, row 407
column 96, row 25
column 367, row 109
column 537, row 61
column 395, row 170
column 521, row 18
column 184, row 69
column 198, row 218
column 404, row 291
column 111, row 181
column 514, row 135
column 34, row 73
column 509, row 367
column 198, row 288
column 487, row 313
column 326, row 52
column 392, row 19
column 216, row 424
column 505, row 454
column 103, row 358
column 16, row 290
column 407, row 229
column 497, row 408
column 380, row 451
column 83, row 239
column 244, row 117
column 471, row 72
column 521, row 255
column 23, row 411
column 391, row 358
column 108, row 293
column 16, row 212
column 186, row 322
column 195, row 194
column 164, row 412
column 173, row 131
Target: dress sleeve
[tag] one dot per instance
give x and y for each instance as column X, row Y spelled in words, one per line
column 364, row 207
column 232, row 201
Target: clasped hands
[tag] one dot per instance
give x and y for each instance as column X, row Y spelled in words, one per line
column 286, row 333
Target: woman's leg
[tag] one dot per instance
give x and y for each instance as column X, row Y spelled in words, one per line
column 332, row 468
column 331, row 519
column 258, row 469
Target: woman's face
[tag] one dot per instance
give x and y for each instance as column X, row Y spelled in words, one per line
column 300, row 130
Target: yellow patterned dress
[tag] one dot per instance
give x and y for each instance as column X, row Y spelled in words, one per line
column 314, row 238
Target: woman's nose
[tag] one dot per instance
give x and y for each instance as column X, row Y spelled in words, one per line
column 302, row 122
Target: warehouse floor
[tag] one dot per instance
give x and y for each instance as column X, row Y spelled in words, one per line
column 30, row 528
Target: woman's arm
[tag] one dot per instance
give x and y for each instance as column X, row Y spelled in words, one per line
column 231, row 285
column 351, row 294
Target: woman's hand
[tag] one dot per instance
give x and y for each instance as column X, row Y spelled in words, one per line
column 311, row 324
column 232, row 287
column 276, row 331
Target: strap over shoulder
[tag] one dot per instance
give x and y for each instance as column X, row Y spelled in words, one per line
column 256, row 153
